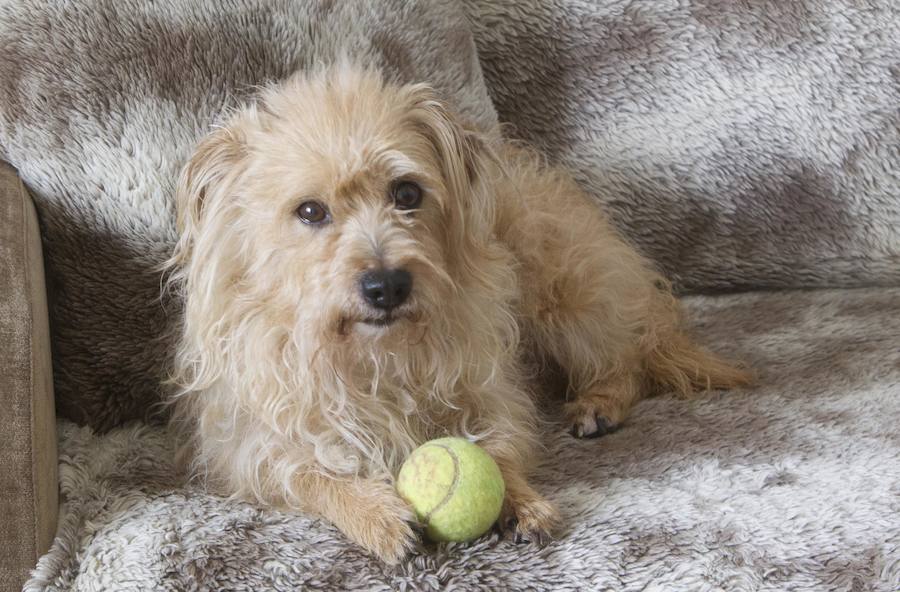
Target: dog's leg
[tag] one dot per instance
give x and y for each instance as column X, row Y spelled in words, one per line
column 616, row 356
column 367, row 511
column 590, row 303
column 616, row 351
column 614, row 327
column 603, row 365
column 594, row 305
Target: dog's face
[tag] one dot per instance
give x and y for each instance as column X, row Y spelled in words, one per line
column 345, row 205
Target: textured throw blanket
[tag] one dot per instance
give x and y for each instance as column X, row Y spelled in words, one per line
column 792, row 486
column 739, row 144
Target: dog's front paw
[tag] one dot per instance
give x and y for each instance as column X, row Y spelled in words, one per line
column 533, row 520
column 382, row 523
column 391, row 538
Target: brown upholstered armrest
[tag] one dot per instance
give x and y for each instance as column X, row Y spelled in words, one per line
column 28, row 462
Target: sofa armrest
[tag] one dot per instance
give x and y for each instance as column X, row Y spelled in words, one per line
column 28, row 461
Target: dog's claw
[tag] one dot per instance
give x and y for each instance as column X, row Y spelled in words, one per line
column 536, row 537
column 512, row 530
column 604, row 426
column 601, row 427
column 418, row 528
column 507, row 526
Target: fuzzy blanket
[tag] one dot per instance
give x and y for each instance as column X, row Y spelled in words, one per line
column 794, row 485
column 740, row 143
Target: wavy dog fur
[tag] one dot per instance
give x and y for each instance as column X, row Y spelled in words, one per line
column 290, row 396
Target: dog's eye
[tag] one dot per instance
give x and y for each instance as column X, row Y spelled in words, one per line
column 406, row 195
column 312, row 212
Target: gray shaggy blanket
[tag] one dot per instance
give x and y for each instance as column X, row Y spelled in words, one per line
column 794, row 485
column 740, row 143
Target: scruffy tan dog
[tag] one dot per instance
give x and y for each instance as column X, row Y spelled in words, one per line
column 362, row 273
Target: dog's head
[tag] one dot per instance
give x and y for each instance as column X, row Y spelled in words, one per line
column 341, row 204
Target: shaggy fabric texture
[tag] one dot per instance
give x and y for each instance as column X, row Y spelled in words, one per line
column 793, row 485
column 101, row 102
column 740, row 144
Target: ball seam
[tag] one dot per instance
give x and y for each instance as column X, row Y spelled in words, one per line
column 453, row 485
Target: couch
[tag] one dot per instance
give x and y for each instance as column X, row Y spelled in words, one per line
column 28, row 461
column 750, row 149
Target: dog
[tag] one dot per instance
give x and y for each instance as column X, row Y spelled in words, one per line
column 362, row 272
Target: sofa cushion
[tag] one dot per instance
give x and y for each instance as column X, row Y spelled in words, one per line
column 28, row 483
column 100, row 105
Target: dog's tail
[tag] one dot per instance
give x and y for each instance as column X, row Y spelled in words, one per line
column 678, row 364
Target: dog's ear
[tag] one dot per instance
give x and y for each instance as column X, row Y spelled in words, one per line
column 205, row 204
column 461, row 153
column 206, row 178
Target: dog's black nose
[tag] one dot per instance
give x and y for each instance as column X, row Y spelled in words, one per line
column 386, row 288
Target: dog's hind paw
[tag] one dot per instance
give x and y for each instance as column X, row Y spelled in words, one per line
column 593, row 416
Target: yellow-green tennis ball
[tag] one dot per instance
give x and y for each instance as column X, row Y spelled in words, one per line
column 454, row 487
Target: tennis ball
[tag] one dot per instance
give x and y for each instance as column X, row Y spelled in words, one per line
column 454, row 487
